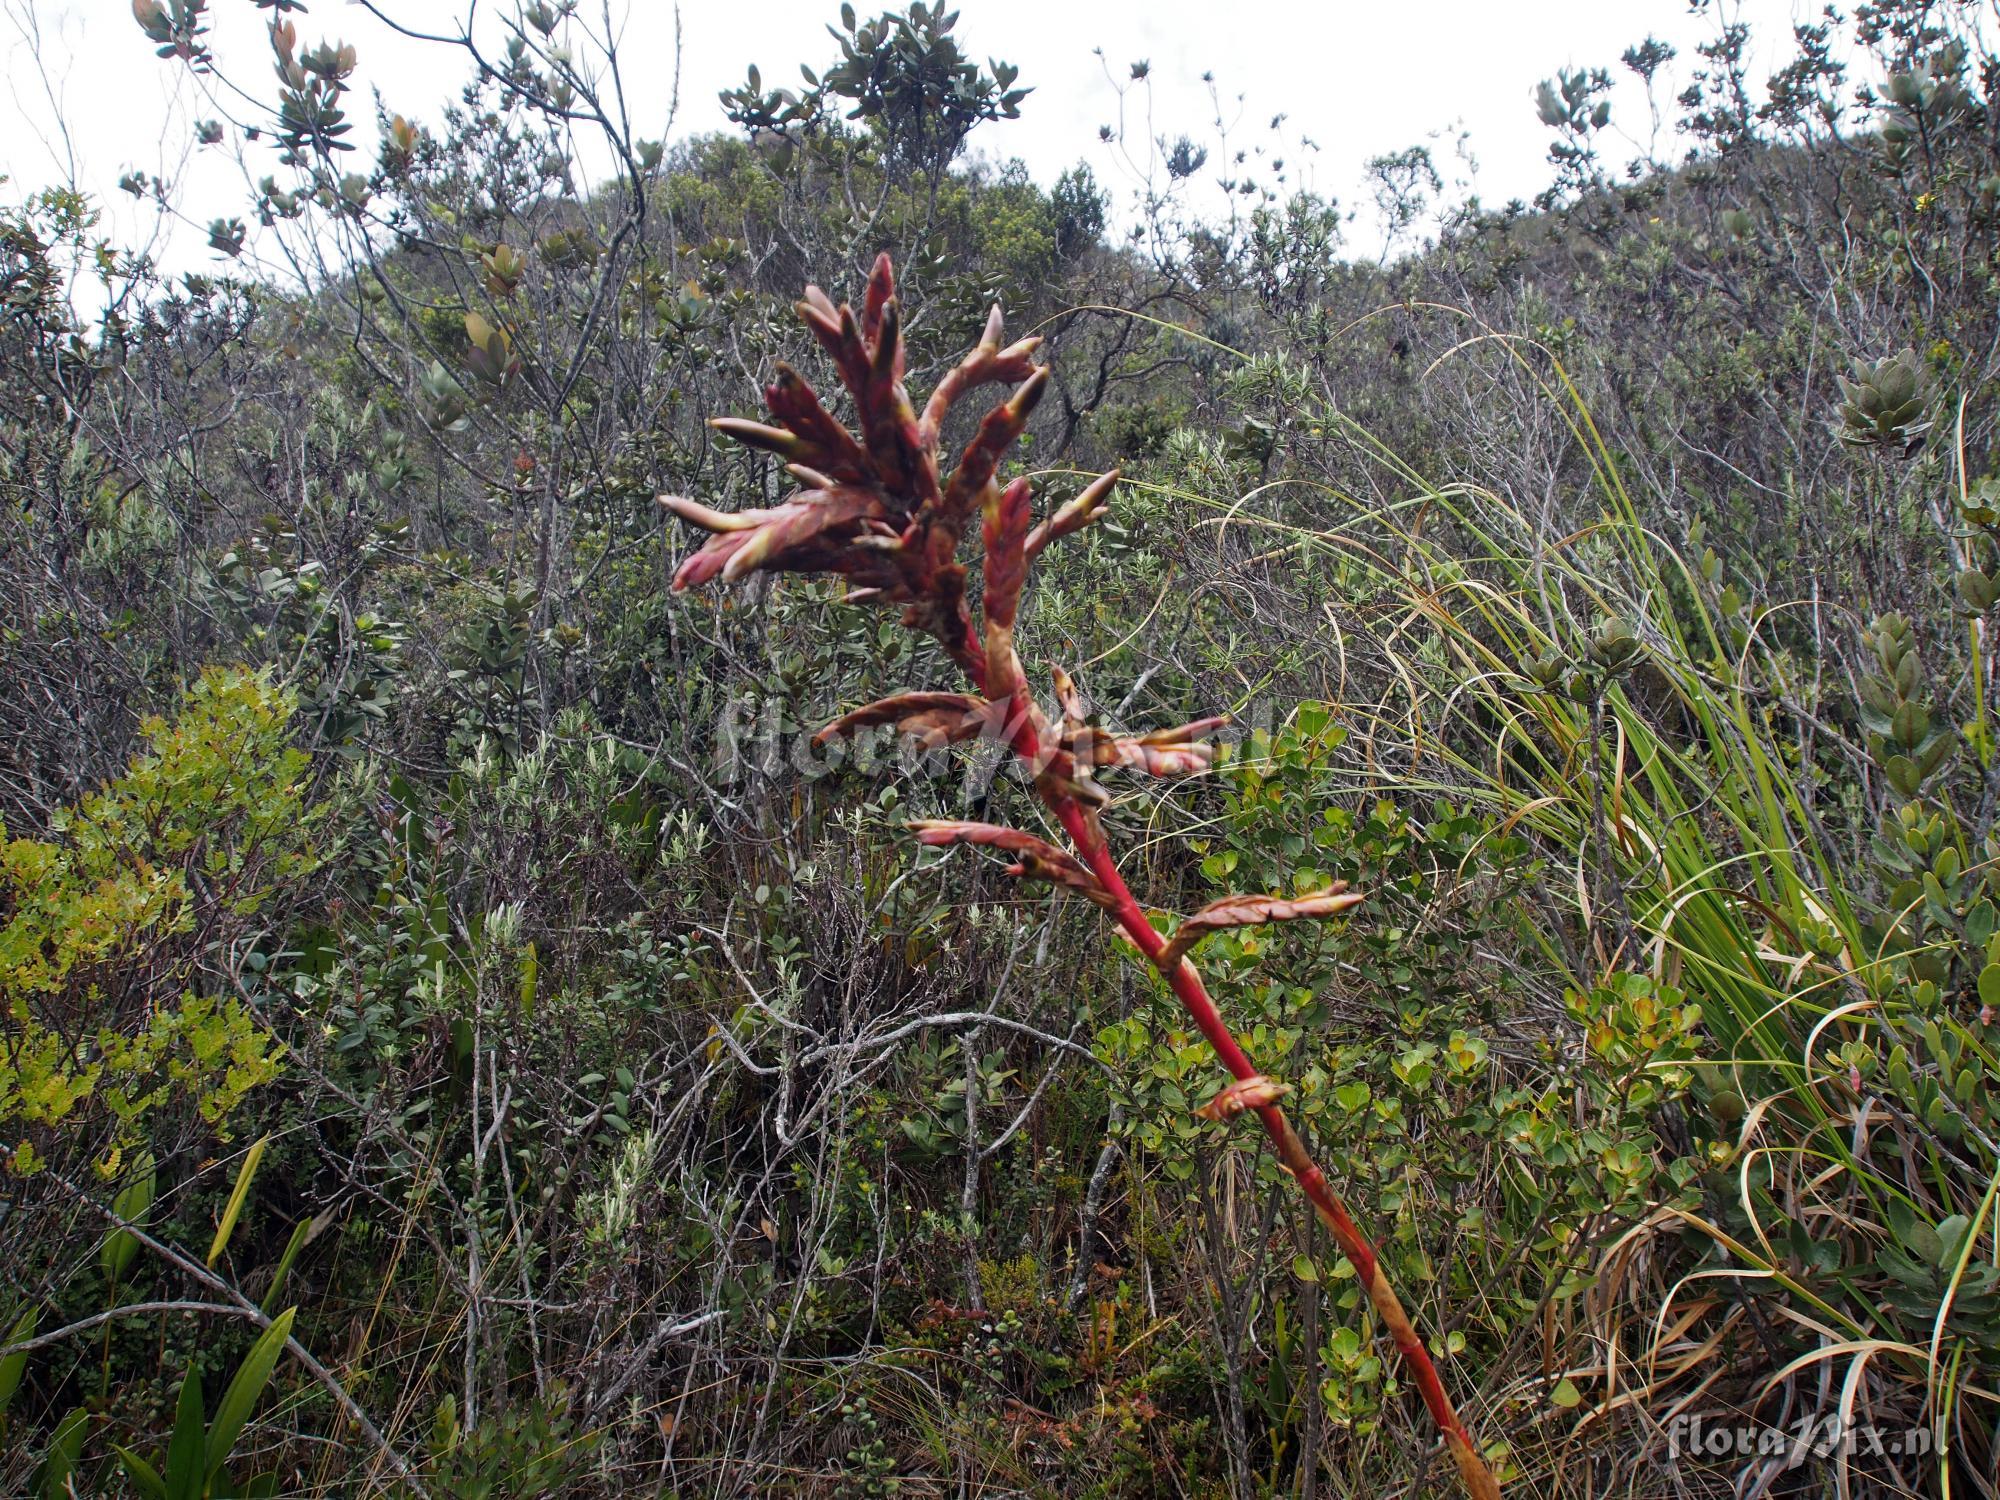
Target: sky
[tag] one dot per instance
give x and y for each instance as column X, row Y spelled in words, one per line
column 87, row 101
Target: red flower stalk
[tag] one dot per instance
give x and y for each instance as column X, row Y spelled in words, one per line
column 880, row 511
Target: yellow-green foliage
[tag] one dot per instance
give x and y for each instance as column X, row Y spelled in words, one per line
column 104, row 919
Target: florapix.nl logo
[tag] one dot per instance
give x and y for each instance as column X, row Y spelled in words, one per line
column 1812, row 1437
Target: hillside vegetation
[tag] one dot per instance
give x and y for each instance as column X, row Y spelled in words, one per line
column 462, row 1033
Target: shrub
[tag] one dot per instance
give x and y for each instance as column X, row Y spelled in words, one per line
column 119, row 929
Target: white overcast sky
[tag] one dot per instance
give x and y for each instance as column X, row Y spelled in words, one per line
column 85, row 94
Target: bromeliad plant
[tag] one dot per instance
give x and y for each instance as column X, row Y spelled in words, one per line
column 880, row 511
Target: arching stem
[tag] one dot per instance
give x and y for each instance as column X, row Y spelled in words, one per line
column 1187, row 986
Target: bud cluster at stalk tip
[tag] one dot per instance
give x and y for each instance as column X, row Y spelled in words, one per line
column 876, row 507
